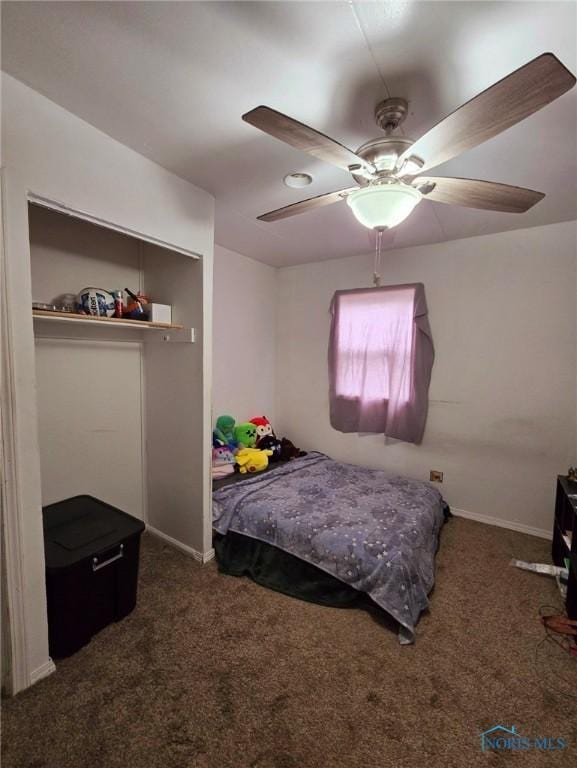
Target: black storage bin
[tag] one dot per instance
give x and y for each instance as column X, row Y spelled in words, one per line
column 92, row 551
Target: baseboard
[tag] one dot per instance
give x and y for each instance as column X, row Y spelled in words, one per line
column 208, row 556
column 202, row 557
column 520, row 527
column 42, row 671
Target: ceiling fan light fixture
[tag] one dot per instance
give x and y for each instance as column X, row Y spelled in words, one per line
column 383, row 205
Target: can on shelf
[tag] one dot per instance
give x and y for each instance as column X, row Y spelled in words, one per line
column 118, row 304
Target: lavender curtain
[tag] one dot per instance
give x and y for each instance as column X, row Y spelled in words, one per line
column 380, row 360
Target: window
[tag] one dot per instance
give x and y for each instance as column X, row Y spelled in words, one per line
column 380, row 360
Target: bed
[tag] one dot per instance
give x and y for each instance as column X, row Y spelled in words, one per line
column 333, row 533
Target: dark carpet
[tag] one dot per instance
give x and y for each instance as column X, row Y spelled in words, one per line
column 215, row 671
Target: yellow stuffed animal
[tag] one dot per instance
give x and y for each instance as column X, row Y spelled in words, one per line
column 252, row 460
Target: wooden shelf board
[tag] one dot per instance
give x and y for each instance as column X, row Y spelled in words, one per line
column 70, row 317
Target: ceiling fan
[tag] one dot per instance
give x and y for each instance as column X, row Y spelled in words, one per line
column 388, row 171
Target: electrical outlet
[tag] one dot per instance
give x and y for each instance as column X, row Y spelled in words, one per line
column 435, row 476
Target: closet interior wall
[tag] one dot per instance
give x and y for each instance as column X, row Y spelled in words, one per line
column 119, row 411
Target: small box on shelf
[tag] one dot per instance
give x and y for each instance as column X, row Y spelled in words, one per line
column 158, row 313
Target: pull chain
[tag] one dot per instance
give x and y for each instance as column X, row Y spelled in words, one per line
column 378, row 248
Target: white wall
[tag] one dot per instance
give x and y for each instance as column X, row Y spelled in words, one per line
column 502, row 416
column 175, row 406
column 244, row 327
column 90, row 421
column 51, row 153
column 66, row 159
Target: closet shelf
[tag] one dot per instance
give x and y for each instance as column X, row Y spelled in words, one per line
column 167, row 331
column 70, row 317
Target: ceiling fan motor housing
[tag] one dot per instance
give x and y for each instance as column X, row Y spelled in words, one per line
column 383, row 154
column 390, row 113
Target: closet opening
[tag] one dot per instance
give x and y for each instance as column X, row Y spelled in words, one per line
column 119, row 400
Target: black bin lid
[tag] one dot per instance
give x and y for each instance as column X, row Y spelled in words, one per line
column 81, row 527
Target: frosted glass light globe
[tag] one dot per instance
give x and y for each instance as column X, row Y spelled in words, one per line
column 383, row 205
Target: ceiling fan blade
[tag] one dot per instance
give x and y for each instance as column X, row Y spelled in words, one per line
column 473, row 193
column 306, row 205
column 504, row 104
column 302, row 137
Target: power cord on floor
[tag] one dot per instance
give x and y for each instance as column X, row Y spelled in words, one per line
column 561, row 642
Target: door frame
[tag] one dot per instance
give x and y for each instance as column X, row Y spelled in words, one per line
column 25, row 625
column 14, row 587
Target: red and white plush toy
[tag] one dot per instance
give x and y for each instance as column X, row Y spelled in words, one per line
column 263, row 427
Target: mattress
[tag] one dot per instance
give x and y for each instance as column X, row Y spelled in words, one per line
column 374, row 531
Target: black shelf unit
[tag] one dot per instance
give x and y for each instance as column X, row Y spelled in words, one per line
column 565, row 537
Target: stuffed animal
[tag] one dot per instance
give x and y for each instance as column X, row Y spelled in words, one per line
column 263, row 427
column 270, row 443
column 252, row 460
column 224, row 431
column 245, row 435
column 222, row 454
column 222, row 462
column 289, row 450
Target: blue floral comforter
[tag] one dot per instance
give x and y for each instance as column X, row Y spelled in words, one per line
column 375, row 531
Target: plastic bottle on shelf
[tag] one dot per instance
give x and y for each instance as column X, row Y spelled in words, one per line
column 118, row 304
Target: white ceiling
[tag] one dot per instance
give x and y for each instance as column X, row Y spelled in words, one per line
column 171, row 80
